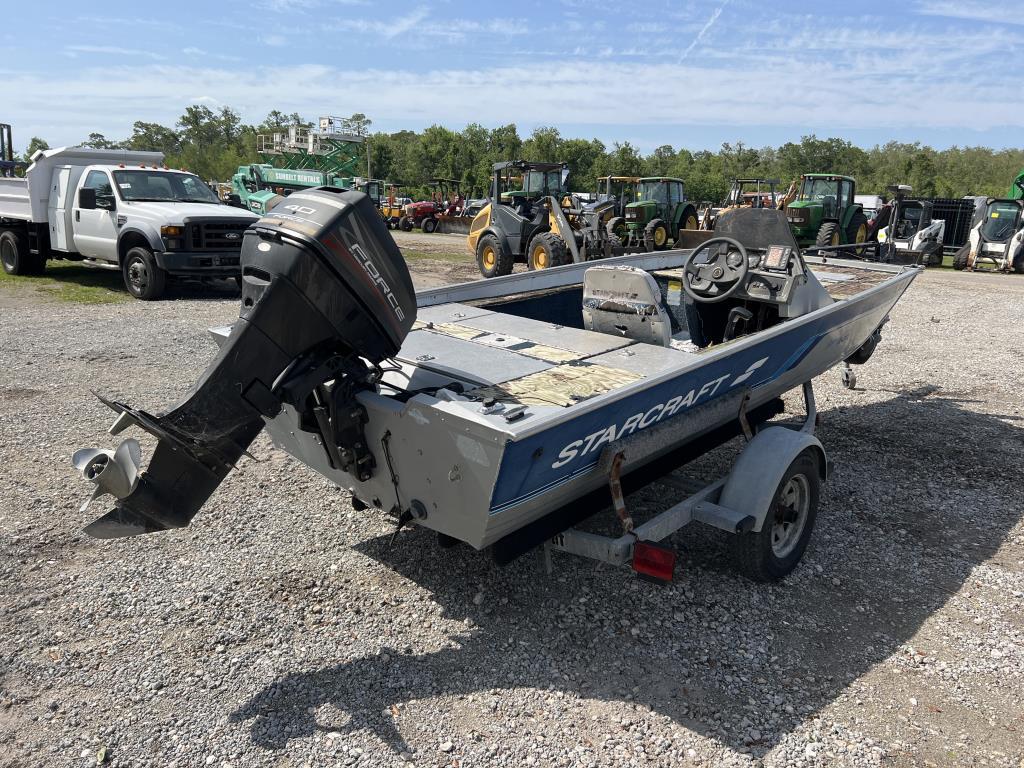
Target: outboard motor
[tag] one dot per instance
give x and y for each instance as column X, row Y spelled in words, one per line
column 326, row 296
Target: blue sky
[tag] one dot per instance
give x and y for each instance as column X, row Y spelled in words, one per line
column 690, row 74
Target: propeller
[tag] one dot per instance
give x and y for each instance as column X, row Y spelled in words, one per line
column 113, row 472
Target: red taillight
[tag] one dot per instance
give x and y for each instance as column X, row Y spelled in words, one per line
column 653, row 561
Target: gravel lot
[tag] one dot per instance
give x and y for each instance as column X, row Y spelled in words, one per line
column 283, row 629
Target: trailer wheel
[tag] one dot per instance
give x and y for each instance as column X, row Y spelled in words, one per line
column 961, row 257
column 405, row 224
column 142, row 277
column 775, row 550
column 429, row 225
column 14, row 255
column 546, row 250
column 492, row 259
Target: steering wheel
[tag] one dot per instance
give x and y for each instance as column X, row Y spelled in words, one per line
column 718, row 278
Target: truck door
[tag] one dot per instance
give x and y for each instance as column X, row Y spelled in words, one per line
column 96, row 230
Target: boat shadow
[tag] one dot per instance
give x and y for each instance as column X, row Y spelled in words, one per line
column 739, row 662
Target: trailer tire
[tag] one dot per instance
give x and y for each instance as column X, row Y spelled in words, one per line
column 492, row 258
column 429, row 225
column 15, row 256
column 142, row 277
column 405, row 224
column 961, row 257
column 774, row 551
column 546, row 250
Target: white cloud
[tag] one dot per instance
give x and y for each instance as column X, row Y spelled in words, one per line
column 112, row 50
column 276, row 41
column 989, row 12
column 714, row 96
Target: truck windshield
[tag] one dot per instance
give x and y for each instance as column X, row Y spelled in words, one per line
column 163, row 187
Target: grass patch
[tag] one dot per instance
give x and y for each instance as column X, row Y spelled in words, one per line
column 72, row 281
column 411, row 254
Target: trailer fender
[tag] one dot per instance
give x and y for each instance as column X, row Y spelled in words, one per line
column 134, row 235
column 756, row 475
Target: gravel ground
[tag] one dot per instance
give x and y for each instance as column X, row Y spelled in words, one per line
column 283, row 629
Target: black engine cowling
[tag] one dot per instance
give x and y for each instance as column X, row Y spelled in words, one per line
column 324, row 290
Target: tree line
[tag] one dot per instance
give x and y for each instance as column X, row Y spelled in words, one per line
column 214, row 143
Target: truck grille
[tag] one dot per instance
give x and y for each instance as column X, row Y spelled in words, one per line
column 217, row 235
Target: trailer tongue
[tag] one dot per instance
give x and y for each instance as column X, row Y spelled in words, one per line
column 326, row 297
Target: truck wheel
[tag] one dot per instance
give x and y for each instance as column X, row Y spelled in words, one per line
column 546, row 250
column 14, row 255
column 405, row 224
column 429, row 225
column 961, row 257
column 142, row 277
column 656, row 235
column 775, row 550
column 492, row 259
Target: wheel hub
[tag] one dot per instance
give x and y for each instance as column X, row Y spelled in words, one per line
column 790, row 515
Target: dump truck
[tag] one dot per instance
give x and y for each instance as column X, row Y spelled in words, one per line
column 120, row 209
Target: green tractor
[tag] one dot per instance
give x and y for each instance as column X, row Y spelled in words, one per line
column 660, row 211
column 621, row 191
column 824, row 211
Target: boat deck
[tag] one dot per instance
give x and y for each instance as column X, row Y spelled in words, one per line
column 526, row 361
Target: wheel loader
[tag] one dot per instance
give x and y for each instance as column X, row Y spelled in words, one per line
column 532, row 218
column 822, row 211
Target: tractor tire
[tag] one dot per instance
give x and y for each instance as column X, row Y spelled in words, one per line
column 142, row 277
column 689, row 220
column 857, row 231
column 429, row 225
column 546, row 250
column 961, row 257
column 656, row 235
column 405, row 224
column 828, row 234
column 616, row 226
column 1018, row 264
column 492, row 258
column 15, row 257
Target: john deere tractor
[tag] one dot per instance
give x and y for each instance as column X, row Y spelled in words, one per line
column 530, row 217
column 823, row 212
column 658, row 213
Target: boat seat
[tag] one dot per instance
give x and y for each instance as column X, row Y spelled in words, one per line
column 625, row 301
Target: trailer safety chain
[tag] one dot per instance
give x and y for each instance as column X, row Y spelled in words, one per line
column 615, row 488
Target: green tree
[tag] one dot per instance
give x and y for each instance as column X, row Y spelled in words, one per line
column 34, row 145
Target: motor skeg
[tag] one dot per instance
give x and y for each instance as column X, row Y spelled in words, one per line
column 324, row 287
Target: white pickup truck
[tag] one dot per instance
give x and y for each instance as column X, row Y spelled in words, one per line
column 118, row 208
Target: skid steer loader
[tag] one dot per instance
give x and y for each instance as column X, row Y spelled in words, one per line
column 997, row 241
